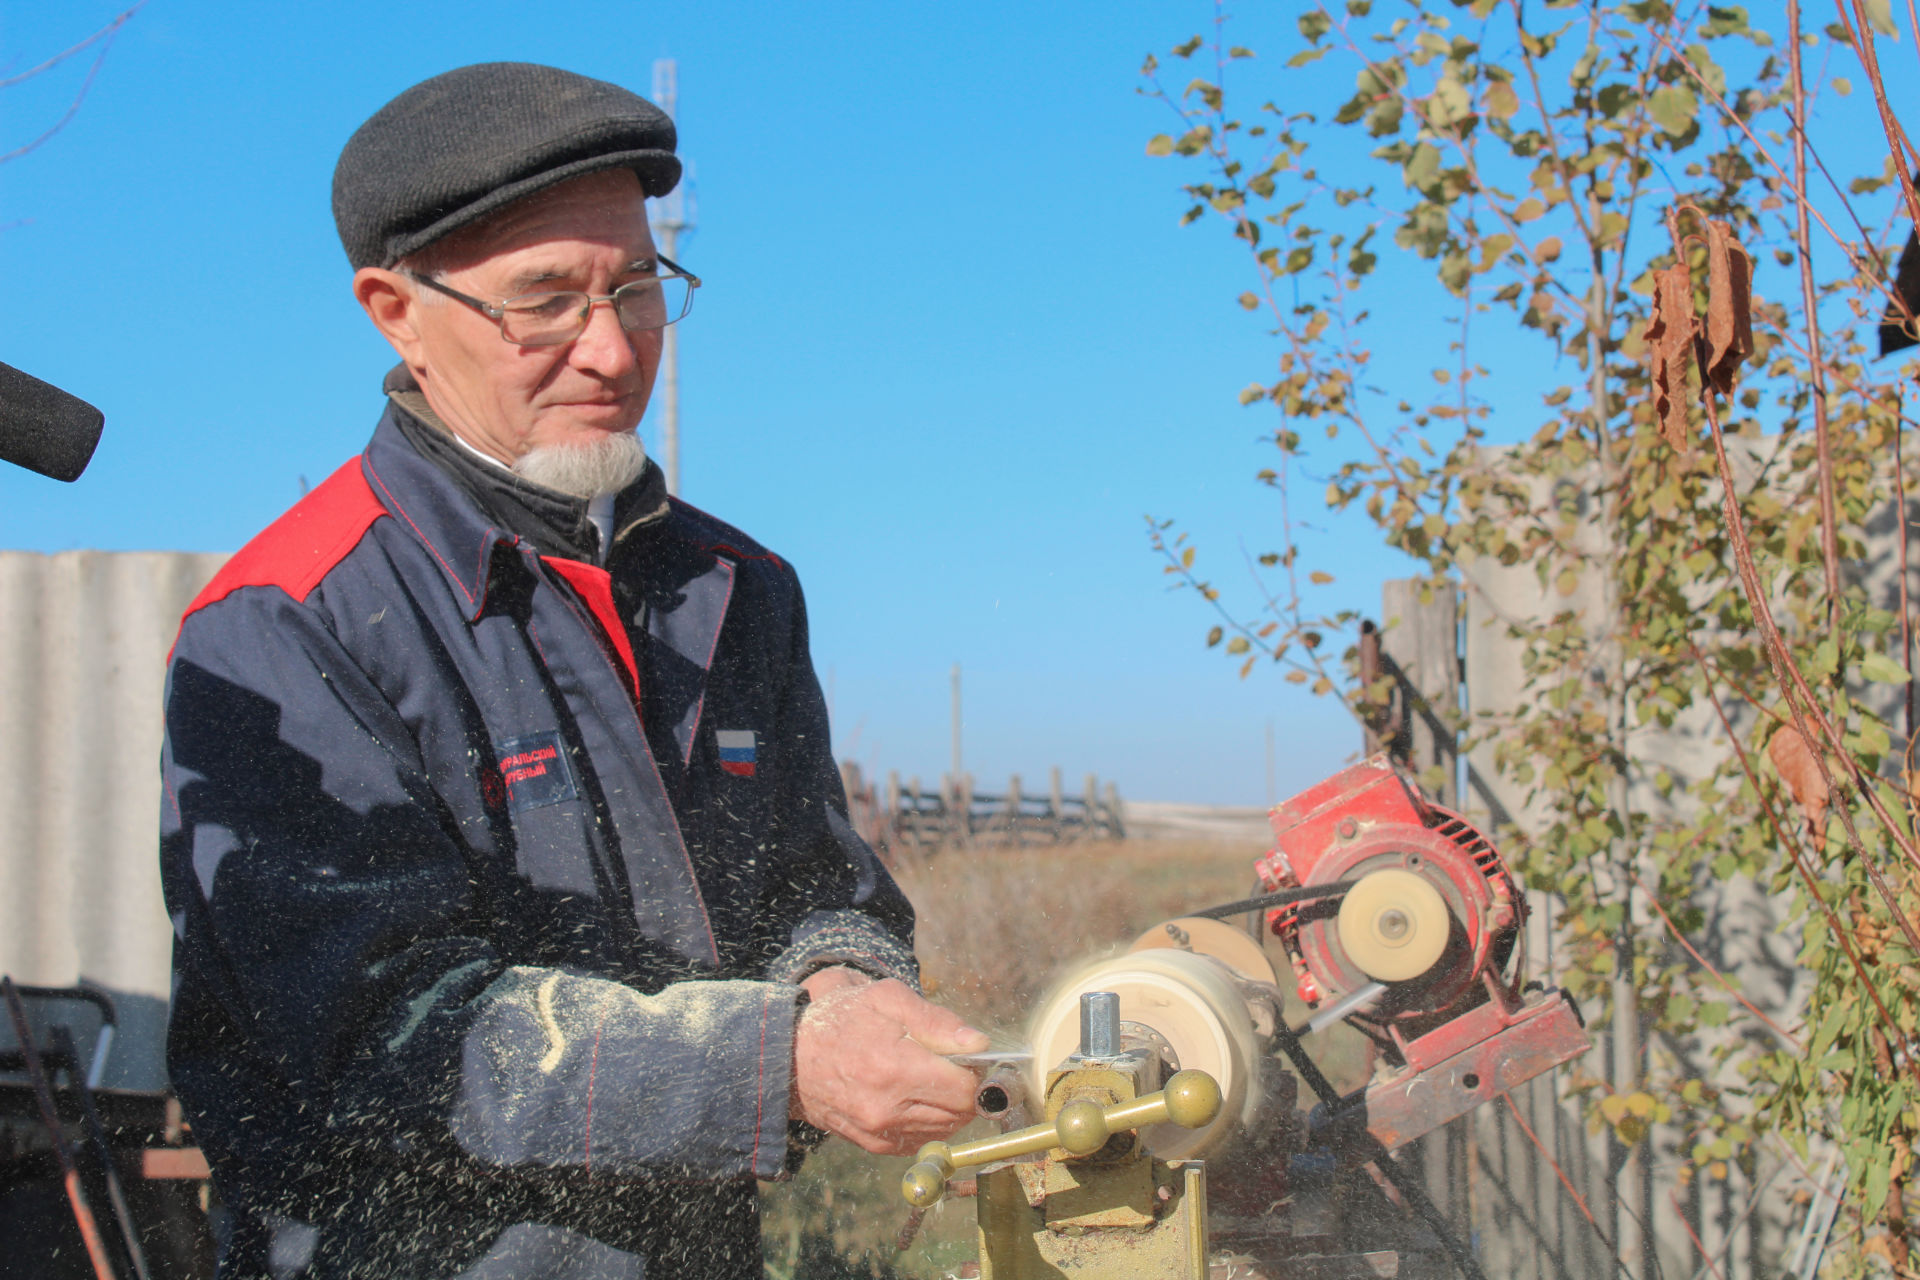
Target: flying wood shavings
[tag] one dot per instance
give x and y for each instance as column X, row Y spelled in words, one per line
column 1671, row 334
column 1729, row 307
column 1792, row 756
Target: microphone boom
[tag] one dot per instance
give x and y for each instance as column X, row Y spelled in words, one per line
column 45, row 429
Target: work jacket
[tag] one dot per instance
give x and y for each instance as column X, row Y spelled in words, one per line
column 491, row 875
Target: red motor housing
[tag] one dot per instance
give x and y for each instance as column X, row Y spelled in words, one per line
column 1370, row 818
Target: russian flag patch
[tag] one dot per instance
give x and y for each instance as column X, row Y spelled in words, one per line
column 736, row 751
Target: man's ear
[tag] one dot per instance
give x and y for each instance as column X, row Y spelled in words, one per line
column 390, row 301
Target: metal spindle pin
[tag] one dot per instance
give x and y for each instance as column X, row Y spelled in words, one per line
column 1099, row 1025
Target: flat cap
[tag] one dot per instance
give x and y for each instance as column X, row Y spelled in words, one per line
column 453, row 149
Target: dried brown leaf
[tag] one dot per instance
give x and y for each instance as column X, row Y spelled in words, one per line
column 1729, row 307
column 1793, row 757
column 1670, row 335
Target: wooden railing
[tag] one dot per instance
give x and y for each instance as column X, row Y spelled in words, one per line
column 904, row 815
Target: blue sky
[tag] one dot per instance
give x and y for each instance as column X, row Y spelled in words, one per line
column 952, row 349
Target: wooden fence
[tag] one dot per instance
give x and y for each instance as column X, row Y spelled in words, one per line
column 899, row 816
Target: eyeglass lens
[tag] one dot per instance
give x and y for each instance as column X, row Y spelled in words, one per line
column 548, row 318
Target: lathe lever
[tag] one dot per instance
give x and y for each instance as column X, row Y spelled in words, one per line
column 1190, row 1099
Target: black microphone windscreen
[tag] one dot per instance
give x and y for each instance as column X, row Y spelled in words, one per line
column 44, row 429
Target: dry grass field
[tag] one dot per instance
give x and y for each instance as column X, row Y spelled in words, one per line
column 996, row 927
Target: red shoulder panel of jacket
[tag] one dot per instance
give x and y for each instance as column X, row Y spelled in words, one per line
column 296, row 551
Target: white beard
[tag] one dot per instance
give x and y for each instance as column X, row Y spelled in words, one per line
column 601, row 466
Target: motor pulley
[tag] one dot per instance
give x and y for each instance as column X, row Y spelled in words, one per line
column 1394, row 925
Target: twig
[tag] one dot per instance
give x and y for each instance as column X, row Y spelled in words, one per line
column 105, row 35
column 1792, row 1040
column 1904, row 155
column 1805, row 707
column 1792, row 846
column 61, row 57
column 1692, row 1235
column 1816, row 367
column 1578, row 1199
column 1906, row 605
column 1799, row 695
column 1872, row 270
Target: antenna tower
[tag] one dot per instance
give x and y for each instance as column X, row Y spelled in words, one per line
column 672, row 215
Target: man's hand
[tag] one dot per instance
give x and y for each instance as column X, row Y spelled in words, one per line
column 867, row 1064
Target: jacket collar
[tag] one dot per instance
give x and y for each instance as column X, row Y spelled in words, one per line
column 684, row 585
column 424, row 499
column 460, row 531
column 555, row 524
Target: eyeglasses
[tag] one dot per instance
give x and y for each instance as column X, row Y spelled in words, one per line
column 550, row 319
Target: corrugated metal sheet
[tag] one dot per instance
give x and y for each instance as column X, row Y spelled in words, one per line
column 83, row 643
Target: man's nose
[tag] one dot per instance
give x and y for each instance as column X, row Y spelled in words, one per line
column 604, row 347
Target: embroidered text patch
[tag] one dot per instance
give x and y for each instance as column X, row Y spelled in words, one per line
column 534, row 771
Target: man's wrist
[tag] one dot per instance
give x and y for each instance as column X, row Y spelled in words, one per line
column 830, row 979
column 802, row 1001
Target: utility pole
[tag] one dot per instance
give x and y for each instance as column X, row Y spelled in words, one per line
column 956, row 724
column 1634, row 1243
column 671, row 217
column 1270, row 800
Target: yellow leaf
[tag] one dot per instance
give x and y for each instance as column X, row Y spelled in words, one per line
column 1319, row 578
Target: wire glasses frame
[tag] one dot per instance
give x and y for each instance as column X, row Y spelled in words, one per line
column 550, row 319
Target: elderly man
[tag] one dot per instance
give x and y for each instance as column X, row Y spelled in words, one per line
column 520, row 927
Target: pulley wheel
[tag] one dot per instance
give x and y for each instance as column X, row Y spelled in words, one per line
column 1191, row 1001
column 1394, row 925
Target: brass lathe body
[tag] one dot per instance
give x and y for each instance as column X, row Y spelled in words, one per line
column 1095, row 1193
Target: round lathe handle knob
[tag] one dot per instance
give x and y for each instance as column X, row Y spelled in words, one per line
column 1082, row 1127
column 923, row 1185
column 1193, row 1099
